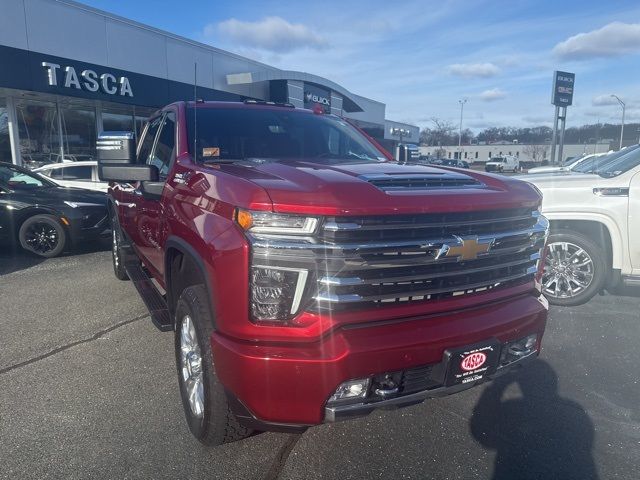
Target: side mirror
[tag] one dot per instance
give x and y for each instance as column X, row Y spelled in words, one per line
column 116, row 147
column 117, row 159
column 115, row 172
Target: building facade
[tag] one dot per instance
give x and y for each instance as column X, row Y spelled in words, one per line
column 69, row 71
column 527, row 153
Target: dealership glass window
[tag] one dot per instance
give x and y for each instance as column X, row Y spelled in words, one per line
column 78, row 133
column 476, row 154
column 5, row 143
column 117, row 122
column 38, row 131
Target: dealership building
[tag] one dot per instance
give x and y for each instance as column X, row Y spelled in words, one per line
column 69, row 71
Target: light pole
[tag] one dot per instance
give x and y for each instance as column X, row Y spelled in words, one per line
column 461, row 102
column 622, row 126
column 399, row 132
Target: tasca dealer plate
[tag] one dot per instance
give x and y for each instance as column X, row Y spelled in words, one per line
column 471, row 363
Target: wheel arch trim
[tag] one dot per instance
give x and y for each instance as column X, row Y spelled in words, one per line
column 610, row 226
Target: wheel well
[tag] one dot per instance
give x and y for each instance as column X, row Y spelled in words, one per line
column 596, row 231
column 182, row 271
column 34, row 211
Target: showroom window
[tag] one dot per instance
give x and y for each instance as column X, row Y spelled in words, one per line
column 38, row 131
column 5, row 143
column 78, row 133
column 117, row 122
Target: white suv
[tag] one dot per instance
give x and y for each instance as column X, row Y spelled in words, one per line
column 75, row 174
column 595, row 227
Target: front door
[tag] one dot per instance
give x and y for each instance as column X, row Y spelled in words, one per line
column 149, row 221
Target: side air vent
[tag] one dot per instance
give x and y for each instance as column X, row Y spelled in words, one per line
column 416, row 182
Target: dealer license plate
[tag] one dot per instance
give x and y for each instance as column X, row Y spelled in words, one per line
column 471, row 363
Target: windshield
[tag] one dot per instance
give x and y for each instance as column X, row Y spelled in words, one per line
column 243, row 133
column 596, row 164
column 15, row 179
column 617, row 165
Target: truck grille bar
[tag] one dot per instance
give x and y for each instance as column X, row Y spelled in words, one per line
column 378, row 260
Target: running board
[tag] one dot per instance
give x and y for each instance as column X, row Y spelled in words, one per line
column 154, row 301
column 632, row 281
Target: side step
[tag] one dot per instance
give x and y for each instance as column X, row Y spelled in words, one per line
column 155, row 302
column 632, row 281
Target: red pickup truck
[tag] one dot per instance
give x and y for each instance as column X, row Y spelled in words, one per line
column 307, row 276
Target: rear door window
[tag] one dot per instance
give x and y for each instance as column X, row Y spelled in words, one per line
column 82, row 173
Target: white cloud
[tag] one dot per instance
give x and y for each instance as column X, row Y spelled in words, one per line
column 603, row 100
column 273, row 34
column 492, row 95
column 474, row 69
column 613, row 39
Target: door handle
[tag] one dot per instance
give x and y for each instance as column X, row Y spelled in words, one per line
column 125, row 204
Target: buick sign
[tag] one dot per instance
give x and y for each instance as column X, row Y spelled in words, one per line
column 313, row 98
column 88, row 80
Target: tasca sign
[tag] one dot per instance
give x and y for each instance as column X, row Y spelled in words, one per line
column 562, row 94
column 89, row 80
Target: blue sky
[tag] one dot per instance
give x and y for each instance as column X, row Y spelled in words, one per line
column 421, row 57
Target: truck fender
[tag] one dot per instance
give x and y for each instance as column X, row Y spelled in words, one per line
column 617, row 243
column 177, row 243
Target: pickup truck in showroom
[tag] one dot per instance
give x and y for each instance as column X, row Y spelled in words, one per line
column 594, row 214
column 307, row 276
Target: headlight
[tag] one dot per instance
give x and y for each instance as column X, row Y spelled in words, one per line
column 275, row 223
column 276, row 292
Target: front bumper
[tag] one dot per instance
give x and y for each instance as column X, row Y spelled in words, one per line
column 345, row 412
column 289, row 385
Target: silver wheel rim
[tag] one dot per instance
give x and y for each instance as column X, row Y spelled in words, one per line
column 568, row 270
column 114, row 250
column 191, row 366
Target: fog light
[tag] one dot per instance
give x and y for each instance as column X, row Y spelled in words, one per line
column 351, row 390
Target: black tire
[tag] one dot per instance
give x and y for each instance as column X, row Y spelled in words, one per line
column 117, row 255
column 217, row 424
column 42, row 235
column 599, row 268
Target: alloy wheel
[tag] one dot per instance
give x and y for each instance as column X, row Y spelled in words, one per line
column 191, row 366
column 41, row 237
column 568, row 270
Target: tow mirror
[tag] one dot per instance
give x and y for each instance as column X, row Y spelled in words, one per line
column 117, row 159
column 116, row 147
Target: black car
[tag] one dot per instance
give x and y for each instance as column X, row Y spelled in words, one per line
column 455, row 163
column 45, row 218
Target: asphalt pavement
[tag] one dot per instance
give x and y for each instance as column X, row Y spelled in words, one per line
column 88, row 389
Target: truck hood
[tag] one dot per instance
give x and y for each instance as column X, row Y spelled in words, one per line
column 379, row 188
column 562, row 180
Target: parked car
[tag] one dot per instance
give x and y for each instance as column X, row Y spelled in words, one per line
column 568, row 165
column 595, row 232
column 455, row 163
column 506, row 163
column 45, row 218
column 75, row 174
column 309, row 279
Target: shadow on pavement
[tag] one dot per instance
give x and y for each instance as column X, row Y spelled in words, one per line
column 14, row 259
column 536, row 435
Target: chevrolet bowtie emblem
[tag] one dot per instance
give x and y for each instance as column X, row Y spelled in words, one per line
column 469, row 249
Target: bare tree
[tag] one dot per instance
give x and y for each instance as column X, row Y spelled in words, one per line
column 537, row 153
column 442, row 133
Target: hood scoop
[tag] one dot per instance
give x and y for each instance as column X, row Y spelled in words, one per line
column 420, row 181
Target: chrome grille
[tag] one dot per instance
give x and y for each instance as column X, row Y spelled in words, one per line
column 380, row 260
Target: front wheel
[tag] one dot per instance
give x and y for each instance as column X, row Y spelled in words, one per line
column 203, row 397
column 117, row 256
column 43, row 235
column 575, row 269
